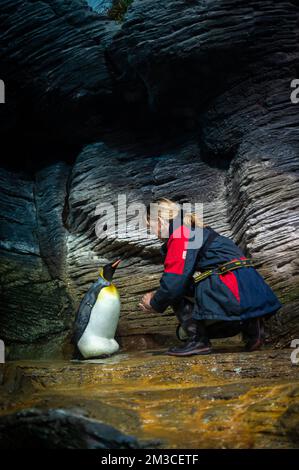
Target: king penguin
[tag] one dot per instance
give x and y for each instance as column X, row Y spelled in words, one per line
column 97, row 316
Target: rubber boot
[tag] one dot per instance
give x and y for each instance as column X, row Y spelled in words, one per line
column 187, row 326
column 197, row 344
column 254, row 334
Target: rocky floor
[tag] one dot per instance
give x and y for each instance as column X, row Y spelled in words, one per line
column 226, row 400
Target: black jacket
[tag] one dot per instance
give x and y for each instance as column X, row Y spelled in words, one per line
column 182, row 252
column 235, row 295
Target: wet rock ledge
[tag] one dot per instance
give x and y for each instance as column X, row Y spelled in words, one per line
column 188, row 99
column 226, row 400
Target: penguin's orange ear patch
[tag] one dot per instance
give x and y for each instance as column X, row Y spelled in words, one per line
column 101, row 272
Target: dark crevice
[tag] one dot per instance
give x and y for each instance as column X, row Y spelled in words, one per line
column 221, row 159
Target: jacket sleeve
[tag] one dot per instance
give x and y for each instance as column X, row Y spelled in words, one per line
column 179, row 267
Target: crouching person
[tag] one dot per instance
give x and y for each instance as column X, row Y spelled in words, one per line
column 226, row 288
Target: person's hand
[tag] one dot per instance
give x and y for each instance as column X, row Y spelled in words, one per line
column 145, row 304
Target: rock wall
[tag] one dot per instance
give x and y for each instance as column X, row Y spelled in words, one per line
column 100, row 174
column 188, row 99
column 100, row 6
column 36, row 308
column 53, row 61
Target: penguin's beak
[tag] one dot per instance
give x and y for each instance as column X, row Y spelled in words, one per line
column 116, row 263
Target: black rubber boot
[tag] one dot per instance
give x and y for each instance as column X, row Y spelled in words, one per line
column 197, row 344
column 254, row 334
column 187, row 326
column 193, row 347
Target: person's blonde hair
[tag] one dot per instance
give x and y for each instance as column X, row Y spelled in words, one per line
column 168, row 210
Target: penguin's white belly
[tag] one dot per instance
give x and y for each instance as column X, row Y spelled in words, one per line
column 98, row 337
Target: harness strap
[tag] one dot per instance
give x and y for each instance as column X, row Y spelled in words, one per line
column 230, row 265
column 202, row 276
column 224, row 268
column 211, row 236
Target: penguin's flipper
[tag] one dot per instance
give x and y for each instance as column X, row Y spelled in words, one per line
column 85, row 308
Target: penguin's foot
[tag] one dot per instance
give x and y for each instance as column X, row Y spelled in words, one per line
column 91, row 347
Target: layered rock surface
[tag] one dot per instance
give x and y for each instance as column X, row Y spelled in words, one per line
column 53, row 60
column 35, row 305
column 59, row 429
column 210, row 84
column 100, row 6
column 231, row 400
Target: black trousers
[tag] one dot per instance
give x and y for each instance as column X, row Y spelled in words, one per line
column 220, row 329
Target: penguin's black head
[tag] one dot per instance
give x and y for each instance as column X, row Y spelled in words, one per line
column 109, row 269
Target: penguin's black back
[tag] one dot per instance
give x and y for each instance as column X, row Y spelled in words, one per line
column 85, row 308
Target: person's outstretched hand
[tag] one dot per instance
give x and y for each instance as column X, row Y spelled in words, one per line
column 145, row 302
